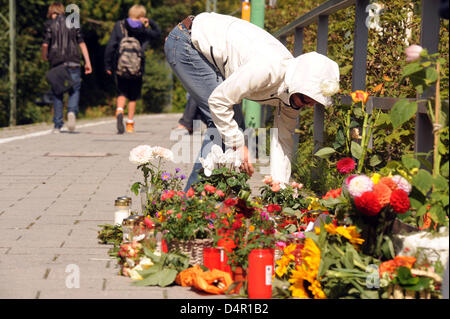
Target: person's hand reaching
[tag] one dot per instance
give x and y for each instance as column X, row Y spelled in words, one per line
column 246, row 165
column 87, row 68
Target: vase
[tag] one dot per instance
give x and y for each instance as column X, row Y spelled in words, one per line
column 143, row 193
column 260, row 271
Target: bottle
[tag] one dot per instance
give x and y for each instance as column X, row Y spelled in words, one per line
column 122, row 211
column 260, row 270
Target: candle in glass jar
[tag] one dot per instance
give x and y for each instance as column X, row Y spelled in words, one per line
column 122, row 211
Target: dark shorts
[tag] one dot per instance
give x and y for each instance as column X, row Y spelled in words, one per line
column 130, row 88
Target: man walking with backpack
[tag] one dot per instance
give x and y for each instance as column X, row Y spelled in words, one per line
column 124, row 54
column 60, row 48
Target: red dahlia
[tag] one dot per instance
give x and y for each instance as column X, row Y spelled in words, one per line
column 368, row 204
column 345, row 165
column 400, row 201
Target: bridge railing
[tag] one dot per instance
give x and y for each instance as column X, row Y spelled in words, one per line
column 429, row 35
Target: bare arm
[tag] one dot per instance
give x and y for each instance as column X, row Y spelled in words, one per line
column 45, row 52
column 87, row 60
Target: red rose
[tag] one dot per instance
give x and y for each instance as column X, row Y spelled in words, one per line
column 400, row 201
column 230, row 202
column 368, row 204
column 210, row 189
column 149, row 223
column 171, row 194
column 273, row 208
column 345, row 165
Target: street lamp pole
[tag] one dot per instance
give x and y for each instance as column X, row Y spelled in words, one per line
column 12, row 63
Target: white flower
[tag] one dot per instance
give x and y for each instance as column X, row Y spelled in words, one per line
column 141, row 154
column 329, row 87
column 402, row 183
column 208, row 165
column 413, row 52
column 359, row 185
column 162, row 152
column 216, row 154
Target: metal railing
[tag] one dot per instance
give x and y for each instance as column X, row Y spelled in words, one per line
column 429, row 35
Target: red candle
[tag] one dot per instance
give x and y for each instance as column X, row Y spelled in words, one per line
column 211, row 258
column 260, row 270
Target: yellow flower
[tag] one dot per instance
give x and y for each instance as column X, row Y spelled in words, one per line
column 189, row 218
column 298, row 290
column 289, row 249
column 375, row 178
column 414, row 171
column 308, row 271
column 314, row 204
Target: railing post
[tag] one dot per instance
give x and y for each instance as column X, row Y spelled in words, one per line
column 360, row 46
column 298, row 50
column 319, row 110
column 429, row 39
column 298, row 42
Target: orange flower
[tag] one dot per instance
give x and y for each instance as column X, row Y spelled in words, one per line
column 388, row 182
column 383, row 193
column 276, row 187
column 360, row 96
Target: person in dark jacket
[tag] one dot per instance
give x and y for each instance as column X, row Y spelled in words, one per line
column 129, row 87
column 60, row 48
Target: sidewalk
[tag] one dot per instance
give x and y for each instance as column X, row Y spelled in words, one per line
column 55, row 189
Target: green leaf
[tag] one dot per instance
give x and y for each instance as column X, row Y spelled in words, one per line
column 440, row 184
column 345, row 69
column 374, row 160
column 411, row 68
column 356, row 150
column 402, row 111
column 437, row 214
column 410, row 162
column 431, row 75
column 415, row 204
column 166, row 277
column 135, row 188
column 444, row 170
column 325, row 152
column 423, row 181
column 422, row 211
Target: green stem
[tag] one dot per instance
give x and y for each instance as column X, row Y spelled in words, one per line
column 348, row 141
column 363, row 143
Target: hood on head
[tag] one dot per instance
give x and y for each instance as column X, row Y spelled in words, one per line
column 314, row 75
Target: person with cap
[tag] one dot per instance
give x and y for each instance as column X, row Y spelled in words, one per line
column 221, row 60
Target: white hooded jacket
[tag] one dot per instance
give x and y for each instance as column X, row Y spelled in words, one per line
column 256, row 66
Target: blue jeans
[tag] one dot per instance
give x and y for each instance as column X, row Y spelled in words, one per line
column 74, row 98
column 199, row 78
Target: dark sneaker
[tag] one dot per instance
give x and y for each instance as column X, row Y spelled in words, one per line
column 120, row 126
column 71, row 120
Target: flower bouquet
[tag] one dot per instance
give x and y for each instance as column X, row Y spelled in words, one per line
column 372, row 204
column 155, row 180
column 186, row 221
column 221, row 169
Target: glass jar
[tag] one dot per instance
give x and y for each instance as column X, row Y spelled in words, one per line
column 133, row 228
column 128, row 199
column 122, row 211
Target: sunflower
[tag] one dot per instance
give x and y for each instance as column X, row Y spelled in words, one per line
column 347, row 232
column 284, row 261
column 307, row 272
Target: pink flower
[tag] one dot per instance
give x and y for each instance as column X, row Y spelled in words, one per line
column 179, row 215
column 267, row 180
column 359, row 185
column 413, row 52
column 402, row 183
column 276, row 187
column 190, row 192
column 169, row 212
column 297, row 185
column 210, row 188
column 281, row 244
column 220, row 193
